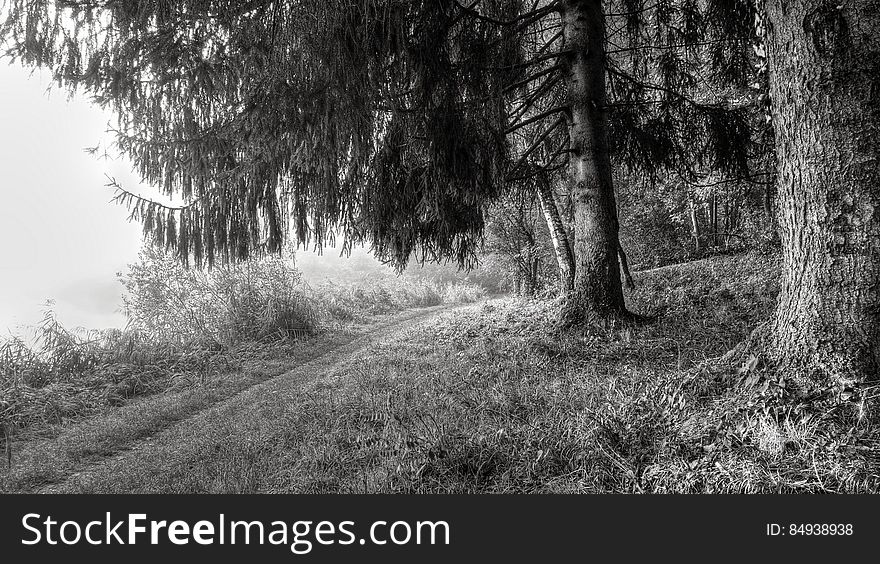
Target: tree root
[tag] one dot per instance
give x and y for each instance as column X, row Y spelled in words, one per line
column 574, row 318
column 758, row 365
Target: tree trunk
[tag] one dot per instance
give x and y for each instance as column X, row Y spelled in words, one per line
column 695, row 223
column 561, row 246
column 713, row 217
column 825, row 90
column 528, row 276
column 597, row 295
column 624, row 266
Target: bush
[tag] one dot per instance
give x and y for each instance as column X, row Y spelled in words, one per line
column 653, row 234
column 185, row 325
column 67, row 373
column 228, row 305
column 458, row 293
column 380, row 294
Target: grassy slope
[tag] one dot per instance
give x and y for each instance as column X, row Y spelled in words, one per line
column 490, row 398
column 46, row 455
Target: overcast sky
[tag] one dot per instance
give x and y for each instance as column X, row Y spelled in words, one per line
column 60, row 237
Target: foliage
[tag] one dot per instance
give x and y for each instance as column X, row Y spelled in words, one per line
column 369, row 118
column 657, row 218
column 188, row 328
column 653, row 230
column 66, row 374
column 230, row 304
column 518, row 238
column 383, row 294
column 396, row 123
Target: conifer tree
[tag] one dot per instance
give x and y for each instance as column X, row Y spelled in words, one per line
column 396, row 122
column 824, row 60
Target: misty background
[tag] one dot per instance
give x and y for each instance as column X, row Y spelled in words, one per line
column 61, row 238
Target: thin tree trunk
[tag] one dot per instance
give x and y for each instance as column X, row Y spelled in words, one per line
column 825, row 88
column 561, row 245
column 597, row 295
column 624, row 265
column 728, row 221
column 527, row 274
column 695, row 224
column 535, row 268
column 713, row 218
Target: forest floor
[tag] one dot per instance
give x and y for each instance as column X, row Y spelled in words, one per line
column 483, row 398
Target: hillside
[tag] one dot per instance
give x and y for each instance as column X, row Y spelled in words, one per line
column 492, row 398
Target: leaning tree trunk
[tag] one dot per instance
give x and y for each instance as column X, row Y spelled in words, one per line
column 561, row 246
column 597, row 295
column 825, row 90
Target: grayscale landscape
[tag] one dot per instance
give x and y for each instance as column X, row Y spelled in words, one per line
column 439, row 246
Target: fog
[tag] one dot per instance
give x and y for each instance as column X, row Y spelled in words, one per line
column 61, row 238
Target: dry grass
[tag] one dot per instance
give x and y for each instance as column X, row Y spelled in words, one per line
column 380, row 294
column 187, row 328
column 492, row 398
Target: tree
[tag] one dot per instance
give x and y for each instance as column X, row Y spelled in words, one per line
column 558, row 234
column 371, row 119
column 392, row 121
column 515, row 236
column 825, row 93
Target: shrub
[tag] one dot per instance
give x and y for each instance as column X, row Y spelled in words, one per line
column 228, row 305
column 459, row 293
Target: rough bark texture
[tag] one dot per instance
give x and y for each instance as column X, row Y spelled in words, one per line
column 561, row 245
column 597, row 295
column 825, row 91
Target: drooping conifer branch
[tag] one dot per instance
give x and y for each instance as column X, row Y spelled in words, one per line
column 537, row 143
column 536, row 118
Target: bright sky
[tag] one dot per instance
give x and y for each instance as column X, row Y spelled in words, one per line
column 60, row 237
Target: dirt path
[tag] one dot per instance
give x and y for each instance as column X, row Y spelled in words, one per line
column 182, row 437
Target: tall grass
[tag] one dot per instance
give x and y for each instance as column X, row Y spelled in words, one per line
column 183, row 327
column 222, row 307
column 379, row 294
column 66, row 373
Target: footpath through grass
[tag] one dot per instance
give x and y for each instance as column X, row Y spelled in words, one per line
column 492, row 398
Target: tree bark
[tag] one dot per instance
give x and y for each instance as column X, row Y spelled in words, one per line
column 695, row 223
column 624, row 266
column 825, row 90
column 561, row 245
column 597, row 295
column 713, row 217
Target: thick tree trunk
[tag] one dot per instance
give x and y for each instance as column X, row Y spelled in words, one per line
column 825, row 90
column 597, row 295
column 561, row 246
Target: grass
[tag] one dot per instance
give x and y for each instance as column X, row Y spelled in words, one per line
column 491, row 398
column 348, row 301
column 188, row 329
column 47, row 454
